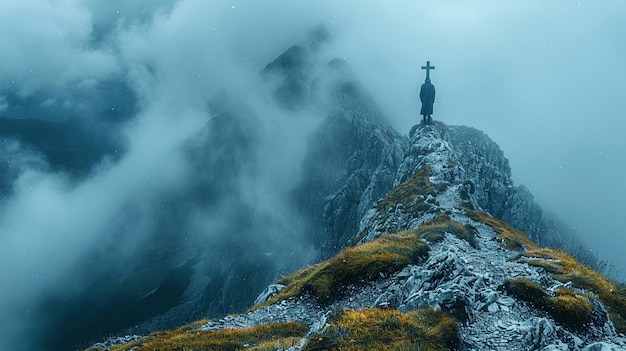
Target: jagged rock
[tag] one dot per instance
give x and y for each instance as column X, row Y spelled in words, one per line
column 599, row 323
column 457, row 303
column 506, row 301
column 540, row 332
column 290, row 74
column 485, row 165
column 472, row 171
column 351, row 164
column 603, row 346
column 268, row 293
column 115, row 341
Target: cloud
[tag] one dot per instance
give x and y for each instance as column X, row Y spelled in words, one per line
column 3, row 103
column 174, row 61
column 62, row 31
column 50, row 223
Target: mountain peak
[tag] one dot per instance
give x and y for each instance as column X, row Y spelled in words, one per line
column 430, row 180
column 431, row 267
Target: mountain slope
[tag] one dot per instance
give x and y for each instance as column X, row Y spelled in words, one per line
column 432, row 270
column 354, row 158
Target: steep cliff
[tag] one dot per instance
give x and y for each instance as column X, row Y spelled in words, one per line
column 352, row 159
column 487, row 167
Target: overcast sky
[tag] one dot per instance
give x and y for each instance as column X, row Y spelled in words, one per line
column 545, row 80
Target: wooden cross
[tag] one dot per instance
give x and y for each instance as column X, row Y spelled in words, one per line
column 428, row 67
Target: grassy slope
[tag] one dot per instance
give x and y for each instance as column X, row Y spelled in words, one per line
column 358, row 265
column 377, row 329
column 260, row 338
column 384, row 329
column 565, row 268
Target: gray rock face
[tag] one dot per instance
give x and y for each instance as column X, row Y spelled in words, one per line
column 268, row 293
column 351, row 164
column 467, row 158
column 430, row 148
column 290, row 72
column 486, row 166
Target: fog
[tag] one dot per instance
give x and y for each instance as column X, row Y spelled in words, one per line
column 544, row 80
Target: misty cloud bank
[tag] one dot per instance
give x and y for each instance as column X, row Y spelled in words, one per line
column 544, row 81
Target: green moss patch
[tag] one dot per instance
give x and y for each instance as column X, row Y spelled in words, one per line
column 386, row 330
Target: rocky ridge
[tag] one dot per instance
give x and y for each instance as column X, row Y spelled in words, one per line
column 465, row 276
column 463, row 279
column 354, row 159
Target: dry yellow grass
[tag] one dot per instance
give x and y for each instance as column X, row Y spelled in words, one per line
column 567, row 307
column 409, row 190
column 385, row 255
column 513, row 238
column 435, row 231
column 565, row 268
column 386, row 330
column 259, row 338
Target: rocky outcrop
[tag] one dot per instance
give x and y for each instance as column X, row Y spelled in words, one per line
column 290, row 75
column 504, row 291
column 486, row 166
column 351, row 161
column 462, row 276
column 428, row 168
column 350, row 165
column 469, row 159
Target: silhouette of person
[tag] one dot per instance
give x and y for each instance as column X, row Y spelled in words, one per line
column 427, row 96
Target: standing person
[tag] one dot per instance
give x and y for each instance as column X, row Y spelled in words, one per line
column 427, row 97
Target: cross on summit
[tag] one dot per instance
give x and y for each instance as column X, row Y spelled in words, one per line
column 428, row 67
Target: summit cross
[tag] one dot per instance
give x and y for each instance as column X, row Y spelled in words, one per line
column 428, row 67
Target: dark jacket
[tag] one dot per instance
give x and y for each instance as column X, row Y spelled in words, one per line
column 427, row 96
